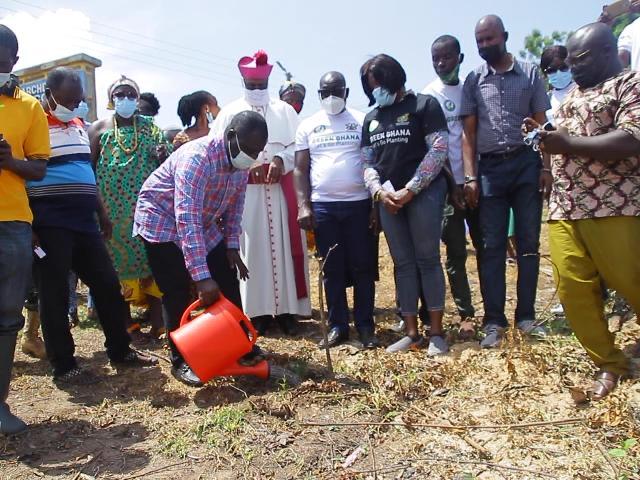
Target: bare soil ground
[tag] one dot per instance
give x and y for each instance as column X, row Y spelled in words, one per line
column 501, row 414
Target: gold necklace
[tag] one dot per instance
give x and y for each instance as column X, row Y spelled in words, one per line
column 118, row 137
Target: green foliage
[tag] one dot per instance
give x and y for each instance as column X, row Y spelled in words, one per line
column 174, row 443
column 536, row 42
column 218, row 429
column 228, row 419
column 622, row 452
column 622, row 21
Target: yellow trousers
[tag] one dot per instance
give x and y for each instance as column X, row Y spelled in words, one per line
column 584, row 251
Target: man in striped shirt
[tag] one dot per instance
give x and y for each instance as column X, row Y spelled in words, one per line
column 65, row 204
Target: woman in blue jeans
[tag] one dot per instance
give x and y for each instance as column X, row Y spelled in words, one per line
column 404, row 148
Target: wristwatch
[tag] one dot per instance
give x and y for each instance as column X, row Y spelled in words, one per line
column 469, row 179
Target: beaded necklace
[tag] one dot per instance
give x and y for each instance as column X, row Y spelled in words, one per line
column 118, row 137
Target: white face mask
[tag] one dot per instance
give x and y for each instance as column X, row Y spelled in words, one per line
column 62, row 113
column 210, row 117
column 4, row 78
column 257, row 98
column 333, row 105
column 242, row 161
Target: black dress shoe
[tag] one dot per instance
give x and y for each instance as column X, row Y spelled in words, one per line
column 133, row 358
column 368, row 339
column 184, row 374
column 288, row 324
column 261, row 324
column 335, row 337
column 255, row 356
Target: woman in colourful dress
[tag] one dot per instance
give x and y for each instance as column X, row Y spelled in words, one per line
column 126, row 148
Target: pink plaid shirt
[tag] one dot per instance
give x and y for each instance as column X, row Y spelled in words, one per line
column 183, row 199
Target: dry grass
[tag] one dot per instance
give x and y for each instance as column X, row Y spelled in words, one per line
column 143, row 424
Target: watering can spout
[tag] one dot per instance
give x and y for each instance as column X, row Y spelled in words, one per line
column 260, row 370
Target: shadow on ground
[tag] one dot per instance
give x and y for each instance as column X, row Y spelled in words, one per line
column 54, row 448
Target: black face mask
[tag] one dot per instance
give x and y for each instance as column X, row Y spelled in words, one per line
column 492, row 53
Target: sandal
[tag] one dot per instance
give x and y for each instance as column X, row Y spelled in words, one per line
column 603, row 385
column 467, row 329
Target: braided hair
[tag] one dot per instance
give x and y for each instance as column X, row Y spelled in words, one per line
column 190, row 105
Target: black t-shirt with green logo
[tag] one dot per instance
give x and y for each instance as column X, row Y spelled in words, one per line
column 397, row 134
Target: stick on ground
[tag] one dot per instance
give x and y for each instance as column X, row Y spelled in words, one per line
column 566, row 421
column 323, row 319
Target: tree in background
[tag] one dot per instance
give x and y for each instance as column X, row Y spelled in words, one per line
column 536, row 42
column 622, row 21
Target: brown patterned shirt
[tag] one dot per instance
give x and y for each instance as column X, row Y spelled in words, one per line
column 587, row 188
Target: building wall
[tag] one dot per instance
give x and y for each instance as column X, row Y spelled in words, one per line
column 33, row 79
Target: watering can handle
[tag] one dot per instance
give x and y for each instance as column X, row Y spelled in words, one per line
column 186, row 317
column 251, row 328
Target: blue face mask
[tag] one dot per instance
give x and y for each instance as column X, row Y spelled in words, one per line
column 125, row 107
column 83, row 110
column 383, row 97
column 560, row 80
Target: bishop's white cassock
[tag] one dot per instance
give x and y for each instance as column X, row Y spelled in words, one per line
column 265, row 244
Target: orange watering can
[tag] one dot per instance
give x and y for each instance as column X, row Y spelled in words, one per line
column 214, row 341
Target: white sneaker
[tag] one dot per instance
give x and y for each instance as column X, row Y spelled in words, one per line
column 437, row 346
column 557, row 309
column 530, row 328
column 406, row 343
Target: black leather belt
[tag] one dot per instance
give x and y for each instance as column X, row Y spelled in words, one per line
column 503, row 155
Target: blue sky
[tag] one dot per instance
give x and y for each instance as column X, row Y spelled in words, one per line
column 174, row 48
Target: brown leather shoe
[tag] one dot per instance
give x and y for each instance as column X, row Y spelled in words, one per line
column 603, row 385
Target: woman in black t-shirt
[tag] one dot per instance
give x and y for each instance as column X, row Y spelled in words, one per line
column 404, row 147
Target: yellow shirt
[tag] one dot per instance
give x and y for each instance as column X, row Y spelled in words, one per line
column 23, row 124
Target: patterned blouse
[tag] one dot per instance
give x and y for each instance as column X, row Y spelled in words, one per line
column 584, row 187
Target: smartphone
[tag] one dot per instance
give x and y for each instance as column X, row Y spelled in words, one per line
column 618, row 8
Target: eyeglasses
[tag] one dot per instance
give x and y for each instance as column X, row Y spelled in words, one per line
column 327, row 92
column 121, row 95
column 552, row 70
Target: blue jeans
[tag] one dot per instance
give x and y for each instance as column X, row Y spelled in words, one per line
column 346, row 224
column 413, row 235
column 511, row 183
column 15, row 274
